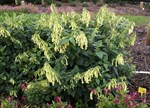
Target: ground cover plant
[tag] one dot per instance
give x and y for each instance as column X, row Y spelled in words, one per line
column 43, row 56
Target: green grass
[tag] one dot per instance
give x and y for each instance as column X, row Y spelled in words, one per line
column 139, row 20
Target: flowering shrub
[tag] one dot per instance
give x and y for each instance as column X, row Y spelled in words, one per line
column 47, row 55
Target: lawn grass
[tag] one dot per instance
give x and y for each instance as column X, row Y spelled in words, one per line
column 139, row 20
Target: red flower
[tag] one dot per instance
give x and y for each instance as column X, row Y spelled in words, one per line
column 143, row 100
column 131, row 97
column 58, row 99
column 126, row 99
column 9, row 98
column 116, row 100
column 23, row 86
column 106, row 90
column 136, row 94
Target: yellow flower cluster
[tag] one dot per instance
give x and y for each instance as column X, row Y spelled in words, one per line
column 51, row 74
column 42, row 45
column 3, row 32
column 86, row 17
column 81, row 40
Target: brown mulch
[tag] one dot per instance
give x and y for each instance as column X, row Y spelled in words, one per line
column 140, row 52
column 126, row 9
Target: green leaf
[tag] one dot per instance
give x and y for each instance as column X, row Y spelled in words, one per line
column 79, row 61
column 100, row 54
column 63, row 41
column 72, row 41
column 4, row 78
column 106, row 66
column 97, row 81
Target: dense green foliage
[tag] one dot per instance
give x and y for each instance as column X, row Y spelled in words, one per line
column 48, row 55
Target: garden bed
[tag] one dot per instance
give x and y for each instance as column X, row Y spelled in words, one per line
column 125, row 9
column 140, row 52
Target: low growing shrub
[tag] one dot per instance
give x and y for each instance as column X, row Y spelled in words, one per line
column 58, row 4
column 85, row 4
column 62, row 55
column 73, row 3
column 95, row 1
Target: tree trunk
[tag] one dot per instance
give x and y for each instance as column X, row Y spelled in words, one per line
column 148, row 35
column 43, row 2
column 16, row 2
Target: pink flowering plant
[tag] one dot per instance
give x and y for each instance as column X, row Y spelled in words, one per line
column 58, row 103
column 116, row 95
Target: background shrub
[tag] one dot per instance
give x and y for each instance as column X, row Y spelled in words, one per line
column 7, row 2
column 63, row 55
column 73, row 3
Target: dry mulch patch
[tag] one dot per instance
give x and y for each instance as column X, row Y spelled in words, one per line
column 140, row 52
column 125, row 9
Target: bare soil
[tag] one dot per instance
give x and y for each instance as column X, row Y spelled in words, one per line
column 126, row 9
column 140, row 52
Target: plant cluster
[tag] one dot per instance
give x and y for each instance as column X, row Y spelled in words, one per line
column 115, row 95
column 10, row 102
column 47, row 55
